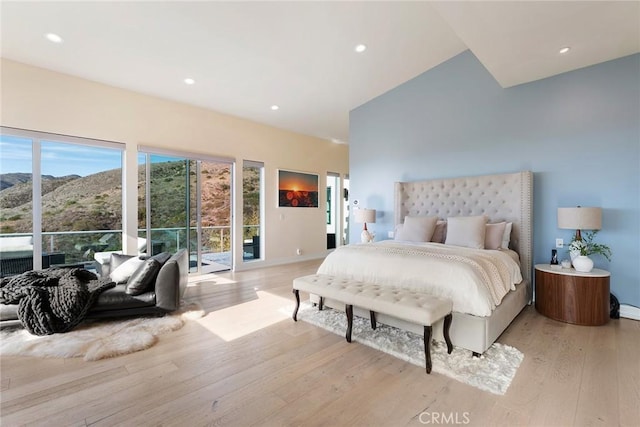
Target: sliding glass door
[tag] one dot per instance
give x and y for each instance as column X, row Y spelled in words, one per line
column 185, row 203
column 213, row 216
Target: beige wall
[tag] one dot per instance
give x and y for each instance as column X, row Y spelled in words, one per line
column 41, row 100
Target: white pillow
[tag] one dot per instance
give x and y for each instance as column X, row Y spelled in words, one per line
column 417, row 228
column 506, row 237
column 468, row 231
column 122, row 273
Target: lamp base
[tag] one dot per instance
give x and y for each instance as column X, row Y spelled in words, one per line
column 366, row 237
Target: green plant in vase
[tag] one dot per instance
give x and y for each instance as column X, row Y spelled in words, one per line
column 587, row 246
column 581, row 249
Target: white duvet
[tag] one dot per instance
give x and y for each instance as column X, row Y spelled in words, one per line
column 475, row 280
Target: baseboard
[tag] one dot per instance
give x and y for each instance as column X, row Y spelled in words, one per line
column 261, row 264
column 629, row 312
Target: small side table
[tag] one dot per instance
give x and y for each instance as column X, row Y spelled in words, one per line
column 573, row 297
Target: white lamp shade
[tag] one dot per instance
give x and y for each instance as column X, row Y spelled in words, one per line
column 365, row 215
column 580, row 218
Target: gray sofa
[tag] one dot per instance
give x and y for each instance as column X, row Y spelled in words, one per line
column 161, row 298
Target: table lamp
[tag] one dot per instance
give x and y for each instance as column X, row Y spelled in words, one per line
column 365, row 216
column 580, row 218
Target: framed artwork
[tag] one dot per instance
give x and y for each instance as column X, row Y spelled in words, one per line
column 297, row 189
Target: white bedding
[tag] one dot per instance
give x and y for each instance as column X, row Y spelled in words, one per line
column 475, row 280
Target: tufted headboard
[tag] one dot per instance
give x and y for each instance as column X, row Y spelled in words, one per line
column 505, row 197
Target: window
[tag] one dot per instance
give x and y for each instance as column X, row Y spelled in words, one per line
column 252, row 196
column 61, row 200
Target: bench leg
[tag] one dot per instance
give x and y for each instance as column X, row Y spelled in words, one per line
column 427, row 347
column 295, row 312
column 349, row 310
column 372, row 314
column 447, row 325
column 321, row 304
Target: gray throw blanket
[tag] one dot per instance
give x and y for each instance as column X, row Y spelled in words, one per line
column 52, row 300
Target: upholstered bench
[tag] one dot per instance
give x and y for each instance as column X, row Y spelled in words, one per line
column 411, row 306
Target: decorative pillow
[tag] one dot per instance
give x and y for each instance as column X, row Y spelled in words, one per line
column 117, row 259
column 493, row 235
column 142, row 279
column 122, row 273
column 417, row 229
column 162, row 257
column 468, row 231
column 506, row 237
column 440, row 233
column 142, row 244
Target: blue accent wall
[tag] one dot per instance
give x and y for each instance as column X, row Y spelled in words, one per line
column 579, row 132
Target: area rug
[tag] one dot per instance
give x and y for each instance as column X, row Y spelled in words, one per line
column 492, row 372
column 94, row 340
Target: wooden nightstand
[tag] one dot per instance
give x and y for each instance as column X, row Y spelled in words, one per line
column 573, row 297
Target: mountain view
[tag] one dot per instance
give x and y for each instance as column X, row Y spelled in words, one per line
column 94, row 202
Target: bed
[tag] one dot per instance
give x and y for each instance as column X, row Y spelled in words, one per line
column 480, row 316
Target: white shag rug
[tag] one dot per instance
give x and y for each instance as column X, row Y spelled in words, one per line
column 94, row 340
column 492, row 372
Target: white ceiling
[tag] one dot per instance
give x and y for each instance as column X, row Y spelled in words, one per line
column 247, row 56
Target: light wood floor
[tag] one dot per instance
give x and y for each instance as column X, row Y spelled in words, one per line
column 247, row 363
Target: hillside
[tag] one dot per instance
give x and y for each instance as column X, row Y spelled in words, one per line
column 16, row 187
column 94, row 202
column 68, row 204
column 8, row 180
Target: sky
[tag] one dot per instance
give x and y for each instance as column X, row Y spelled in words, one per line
column 61, row 159
column 58, row 159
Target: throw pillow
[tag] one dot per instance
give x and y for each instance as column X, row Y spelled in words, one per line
column 417, row 229
column 117, row 259
column 493, row 235
column 122, row 273
column 440, row 233
column 142, row 279
column 162, row 257
column 506, row 237
column 468, row 231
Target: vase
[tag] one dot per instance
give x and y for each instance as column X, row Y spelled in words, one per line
column 583, row 264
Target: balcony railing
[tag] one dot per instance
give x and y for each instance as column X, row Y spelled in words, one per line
column 78, row 247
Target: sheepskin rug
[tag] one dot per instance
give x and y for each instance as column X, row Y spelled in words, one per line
column 94, row 340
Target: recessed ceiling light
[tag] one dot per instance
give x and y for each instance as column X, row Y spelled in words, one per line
column 565, row 49
column 275, row 107
column 360, row 48
column 54, row 38
column 189, row 81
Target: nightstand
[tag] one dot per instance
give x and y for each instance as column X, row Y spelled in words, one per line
column 569, row 296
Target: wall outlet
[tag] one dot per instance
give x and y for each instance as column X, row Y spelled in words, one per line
column 559, row 243
column 390, row 234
